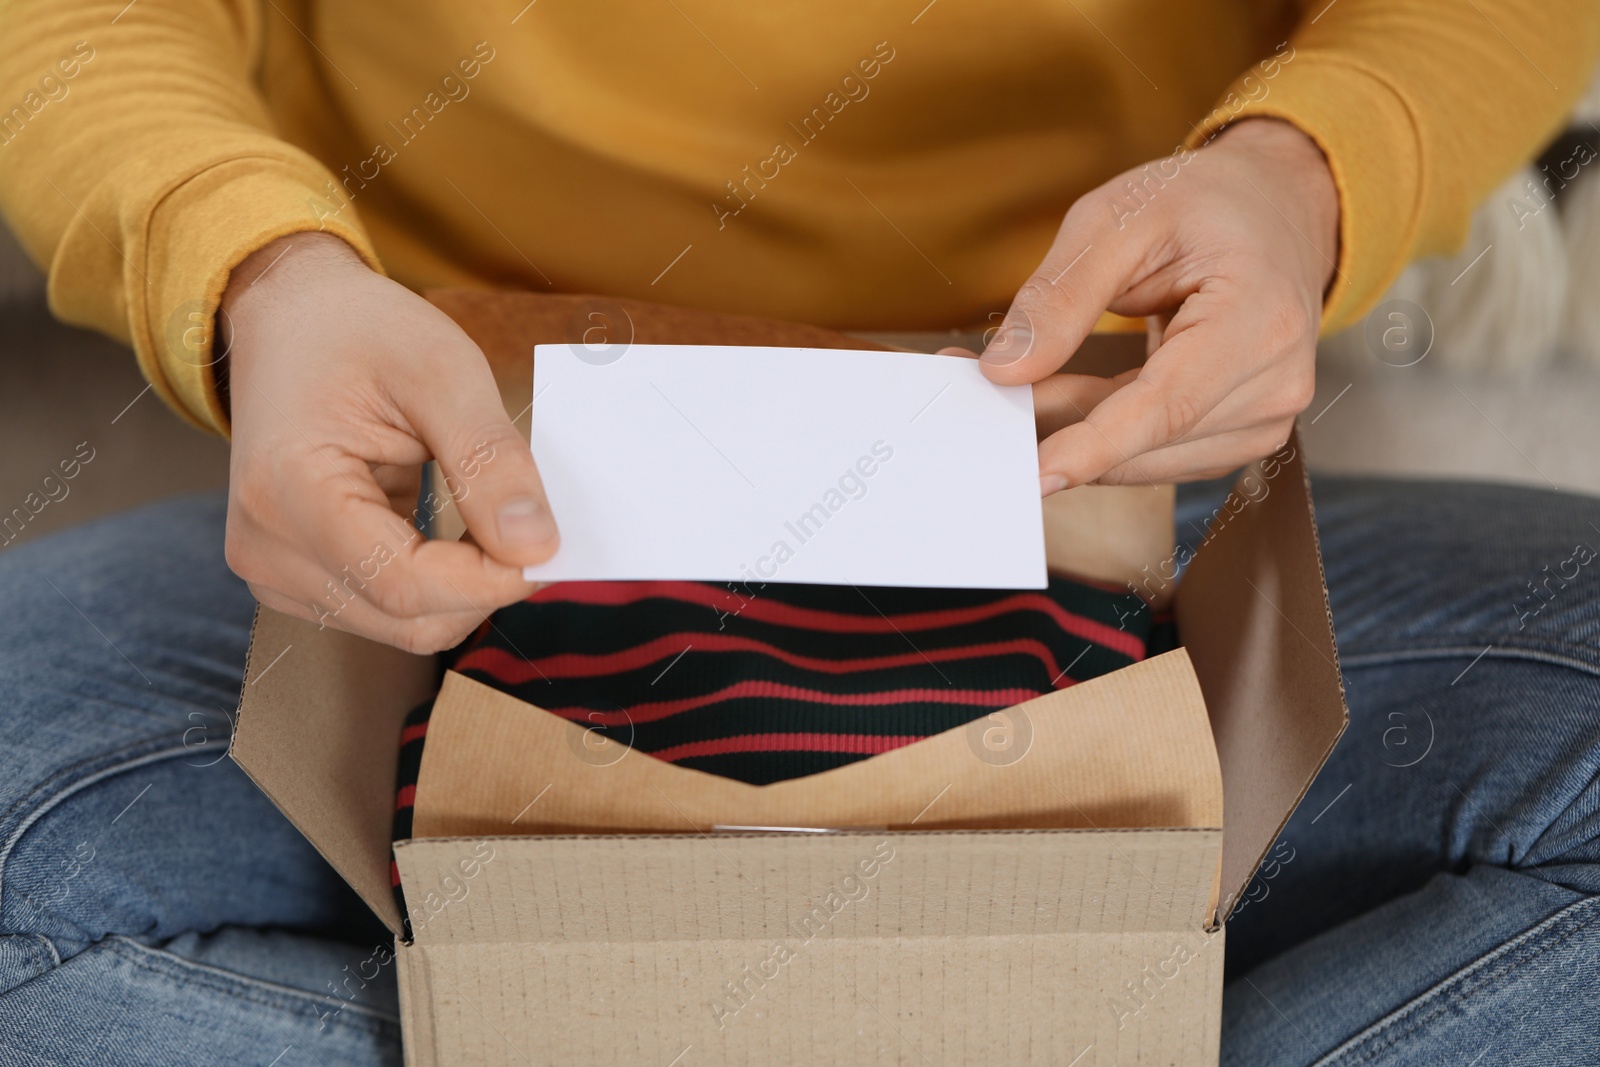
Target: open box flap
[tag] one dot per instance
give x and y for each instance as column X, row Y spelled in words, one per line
column 319, row 731
column 1253, row 612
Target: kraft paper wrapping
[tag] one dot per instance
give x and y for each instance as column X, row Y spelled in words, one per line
column 1129, row 749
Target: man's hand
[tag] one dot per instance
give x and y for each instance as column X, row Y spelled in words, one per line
column 342, row 384
column 1227, row 254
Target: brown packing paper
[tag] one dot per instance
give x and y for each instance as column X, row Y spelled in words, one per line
column 1137, row 753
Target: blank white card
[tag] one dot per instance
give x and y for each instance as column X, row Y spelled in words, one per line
column 737, row 464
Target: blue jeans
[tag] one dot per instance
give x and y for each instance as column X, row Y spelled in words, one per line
column 1435, row 899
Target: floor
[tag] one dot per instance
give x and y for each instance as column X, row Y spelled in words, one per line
column 66, row 393
column 1537, row 429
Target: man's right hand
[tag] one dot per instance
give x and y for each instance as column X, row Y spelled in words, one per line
column 342, row 385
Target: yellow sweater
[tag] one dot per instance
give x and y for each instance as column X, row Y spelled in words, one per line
column 849, row 163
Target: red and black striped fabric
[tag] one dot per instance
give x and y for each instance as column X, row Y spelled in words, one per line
column 767, row 682
column 775, row 682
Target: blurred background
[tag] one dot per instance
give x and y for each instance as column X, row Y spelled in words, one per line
column 1482, row 365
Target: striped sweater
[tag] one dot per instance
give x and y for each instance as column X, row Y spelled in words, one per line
column 766, row 682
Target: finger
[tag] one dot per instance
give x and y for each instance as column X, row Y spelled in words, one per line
column 1089, row 264
column 1275, row 395
column 1155, row 329
column 486, row 464
column 348, row 531
column 401, row 484
column 388, row 566
column 1207, row 457
column 423, row 635
column 283, row 605
column 1179, row 386
column 1062, row 400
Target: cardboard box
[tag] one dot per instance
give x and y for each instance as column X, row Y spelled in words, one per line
column 1044, row 887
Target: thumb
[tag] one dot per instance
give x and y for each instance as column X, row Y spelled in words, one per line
column 488, row 470
column 1055, row 309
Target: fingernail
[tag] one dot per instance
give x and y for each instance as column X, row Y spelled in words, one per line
column 523, row 521
column 1051, row 483
column 1010, row 343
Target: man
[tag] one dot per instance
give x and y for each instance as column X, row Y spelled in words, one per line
column 1239, row 174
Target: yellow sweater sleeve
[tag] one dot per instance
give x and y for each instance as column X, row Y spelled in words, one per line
column 140, row 166
column 1422, row 108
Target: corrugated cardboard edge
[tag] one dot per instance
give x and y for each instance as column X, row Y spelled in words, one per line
column 1253, row 612
column 419, row 1043
column 318, row 730
column 560, row 949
